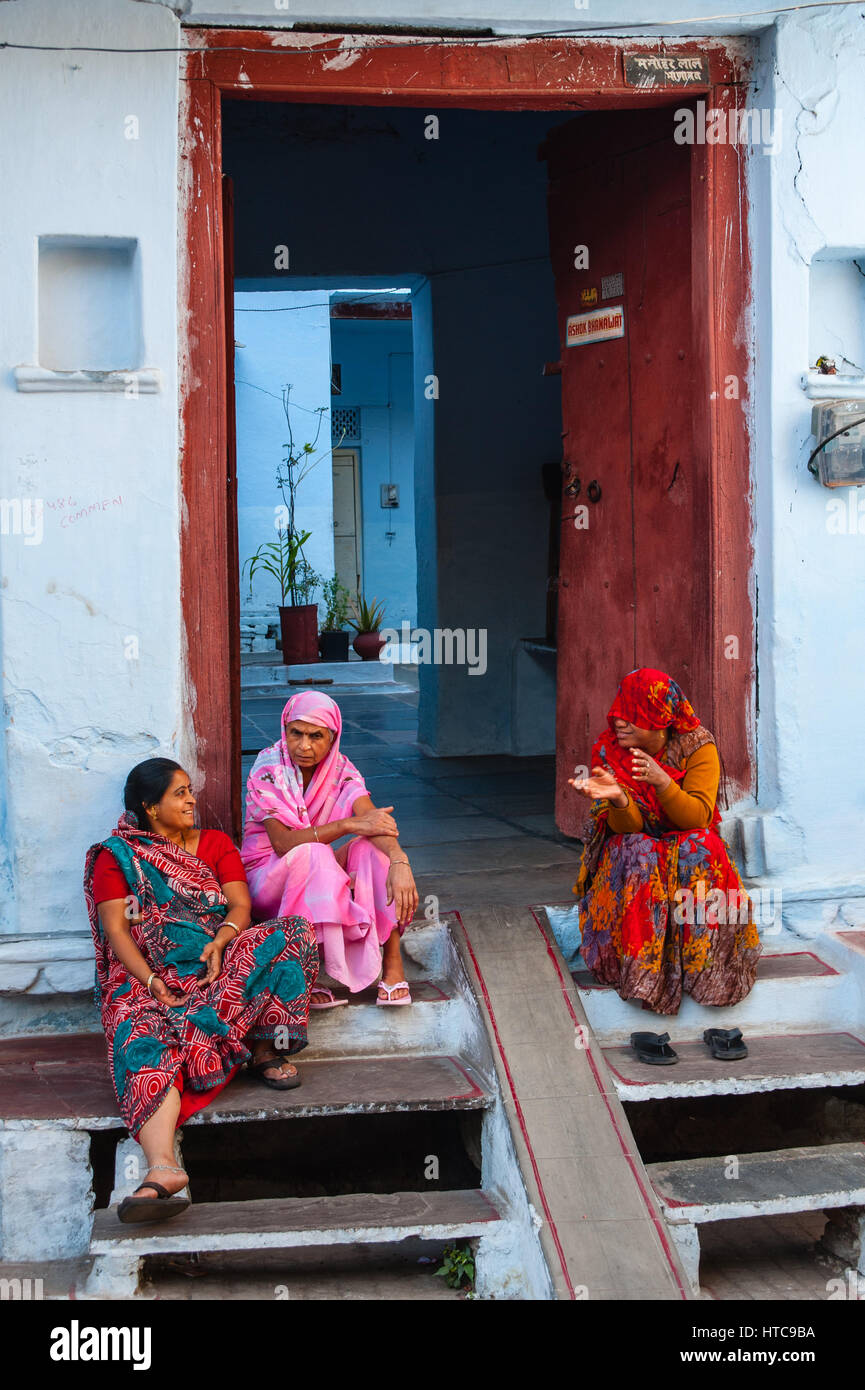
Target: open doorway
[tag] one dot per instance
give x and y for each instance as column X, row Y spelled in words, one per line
column 445, row 376
column 491, row 312
column 325, row 374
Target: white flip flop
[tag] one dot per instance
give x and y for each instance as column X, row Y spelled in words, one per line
column 331, row 1002
column 393, row 1003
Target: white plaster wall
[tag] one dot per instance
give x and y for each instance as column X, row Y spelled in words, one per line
column 286, row 337
column 808, row 201
column 79, row 713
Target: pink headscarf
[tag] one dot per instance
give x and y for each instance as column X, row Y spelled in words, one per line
column 275, row 786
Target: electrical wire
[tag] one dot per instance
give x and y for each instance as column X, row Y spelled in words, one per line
column 609, row 28
column 321, row 304
column 851, row 424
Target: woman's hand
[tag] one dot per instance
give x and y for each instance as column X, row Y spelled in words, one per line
column 378, row 821
column 601, row 786
column 645, row 769
column 212, row 954
column 402, row 891
column 163, row 995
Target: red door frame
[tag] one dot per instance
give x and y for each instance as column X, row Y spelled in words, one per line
column 510, row 74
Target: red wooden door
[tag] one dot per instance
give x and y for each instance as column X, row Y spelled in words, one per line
column 233, row 576
column 634, row 573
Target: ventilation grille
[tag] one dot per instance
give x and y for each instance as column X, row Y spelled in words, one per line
column 345, row 424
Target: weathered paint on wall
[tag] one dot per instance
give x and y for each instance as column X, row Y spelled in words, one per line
column 92, row 672
column 807, row 832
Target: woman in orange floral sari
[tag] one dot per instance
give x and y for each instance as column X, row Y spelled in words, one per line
column 662, row 907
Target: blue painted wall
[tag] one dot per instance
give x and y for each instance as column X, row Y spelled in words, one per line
column 376, row 361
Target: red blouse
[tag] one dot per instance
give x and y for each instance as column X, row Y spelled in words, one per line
column 214, row 847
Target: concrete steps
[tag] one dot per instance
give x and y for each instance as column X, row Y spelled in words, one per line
column 328, row 1224
column 363, row 1061
column 356, row 1218
column 774, row 1062
column 797, row 990
column 812, row 1178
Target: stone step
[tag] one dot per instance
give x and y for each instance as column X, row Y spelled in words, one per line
column 794, row 991
column 64, row 1083
column 783, row 1180
column 806, row 1060
column 290, row 1222
column 814, row 1178
column 435, row 1021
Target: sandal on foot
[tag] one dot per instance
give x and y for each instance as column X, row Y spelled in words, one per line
column 654, row 1048
column 389, row 989
column 330, row 1002
column 725, row 1044
column 165, row 1205
column 286, row 1083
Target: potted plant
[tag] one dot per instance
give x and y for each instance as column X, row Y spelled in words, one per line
column 366, row 619
column 284, row 558
column 333, row 636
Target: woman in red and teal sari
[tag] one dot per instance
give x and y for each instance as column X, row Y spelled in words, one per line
column 662, row 907
column 189, row 989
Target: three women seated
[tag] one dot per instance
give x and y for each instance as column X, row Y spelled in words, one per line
column 208, row 959
column 190, row 986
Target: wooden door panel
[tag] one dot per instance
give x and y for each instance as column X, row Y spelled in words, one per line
column 671, row 501
column 596, row 593
column 633, row 585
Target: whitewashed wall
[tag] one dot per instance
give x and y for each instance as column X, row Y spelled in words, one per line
column 808, row 203
column 80, row 710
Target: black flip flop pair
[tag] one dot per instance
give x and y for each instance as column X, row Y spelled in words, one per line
column 725, row 1045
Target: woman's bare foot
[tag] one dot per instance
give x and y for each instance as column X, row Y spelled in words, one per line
column 281, row 1066
column 166, row 1173
column 392, row 968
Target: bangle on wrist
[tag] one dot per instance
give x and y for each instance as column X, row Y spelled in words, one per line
column 315, row 833
column 399, row 861
column 234, row 925
column 150, row 980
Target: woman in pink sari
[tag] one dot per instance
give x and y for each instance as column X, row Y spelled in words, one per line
column 302, row 795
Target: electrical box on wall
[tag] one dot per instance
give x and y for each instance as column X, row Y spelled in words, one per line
column 838, row 427
column 390, row 494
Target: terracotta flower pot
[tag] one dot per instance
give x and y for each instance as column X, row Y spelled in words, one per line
column 368, row 645
column 299, row 627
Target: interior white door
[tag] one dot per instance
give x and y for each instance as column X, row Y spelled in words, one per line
column 347, row 557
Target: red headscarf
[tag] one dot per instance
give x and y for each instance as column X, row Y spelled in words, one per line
column 651, row 700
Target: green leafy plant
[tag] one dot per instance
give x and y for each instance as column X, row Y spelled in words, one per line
column 306, row 582
column 336, row 599
column 365, row 617
column 458, row 1267
column 284, row 558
